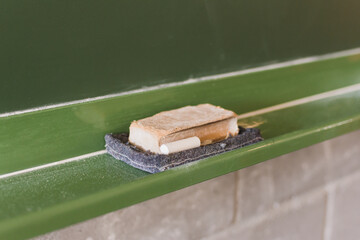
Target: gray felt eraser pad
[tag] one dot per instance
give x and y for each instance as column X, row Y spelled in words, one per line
column 119, row 147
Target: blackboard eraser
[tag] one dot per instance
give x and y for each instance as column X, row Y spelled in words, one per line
column 179, row 129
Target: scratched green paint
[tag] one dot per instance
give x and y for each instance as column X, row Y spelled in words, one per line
column 37, row 138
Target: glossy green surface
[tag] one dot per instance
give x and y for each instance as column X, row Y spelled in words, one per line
column 48, row 199
column 44, row 200
column 37, row 138
column 55, row 51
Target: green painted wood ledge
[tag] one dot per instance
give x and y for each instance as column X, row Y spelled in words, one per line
column 38, row 201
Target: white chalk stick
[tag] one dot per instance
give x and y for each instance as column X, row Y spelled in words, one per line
column 180, row 145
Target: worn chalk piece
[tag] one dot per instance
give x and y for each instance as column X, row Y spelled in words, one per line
column 180, row 145
column 119, row 147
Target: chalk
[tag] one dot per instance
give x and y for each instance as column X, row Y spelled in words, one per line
column 180, row 145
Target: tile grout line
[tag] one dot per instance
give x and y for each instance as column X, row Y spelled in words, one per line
column 234, row 209
column 195, row 80
column 299, row 201
column 284, row 207
column 329, row 212
column 330, row 199
column 77, row 158
column 235, row 198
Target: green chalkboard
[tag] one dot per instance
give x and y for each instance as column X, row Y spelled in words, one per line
column 55, row 51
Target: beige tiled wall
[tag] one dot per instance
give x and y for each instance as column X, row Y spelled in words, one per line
column 313, row 193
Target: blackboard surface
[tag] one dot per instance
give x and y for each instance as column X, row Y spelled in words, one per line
column 55, row 51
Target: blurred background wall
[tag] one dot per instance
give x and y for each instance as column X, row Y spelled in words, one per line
column 312, row 193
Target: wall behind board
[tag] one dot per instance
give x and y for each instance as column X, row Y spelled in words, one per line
column 55, row 51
